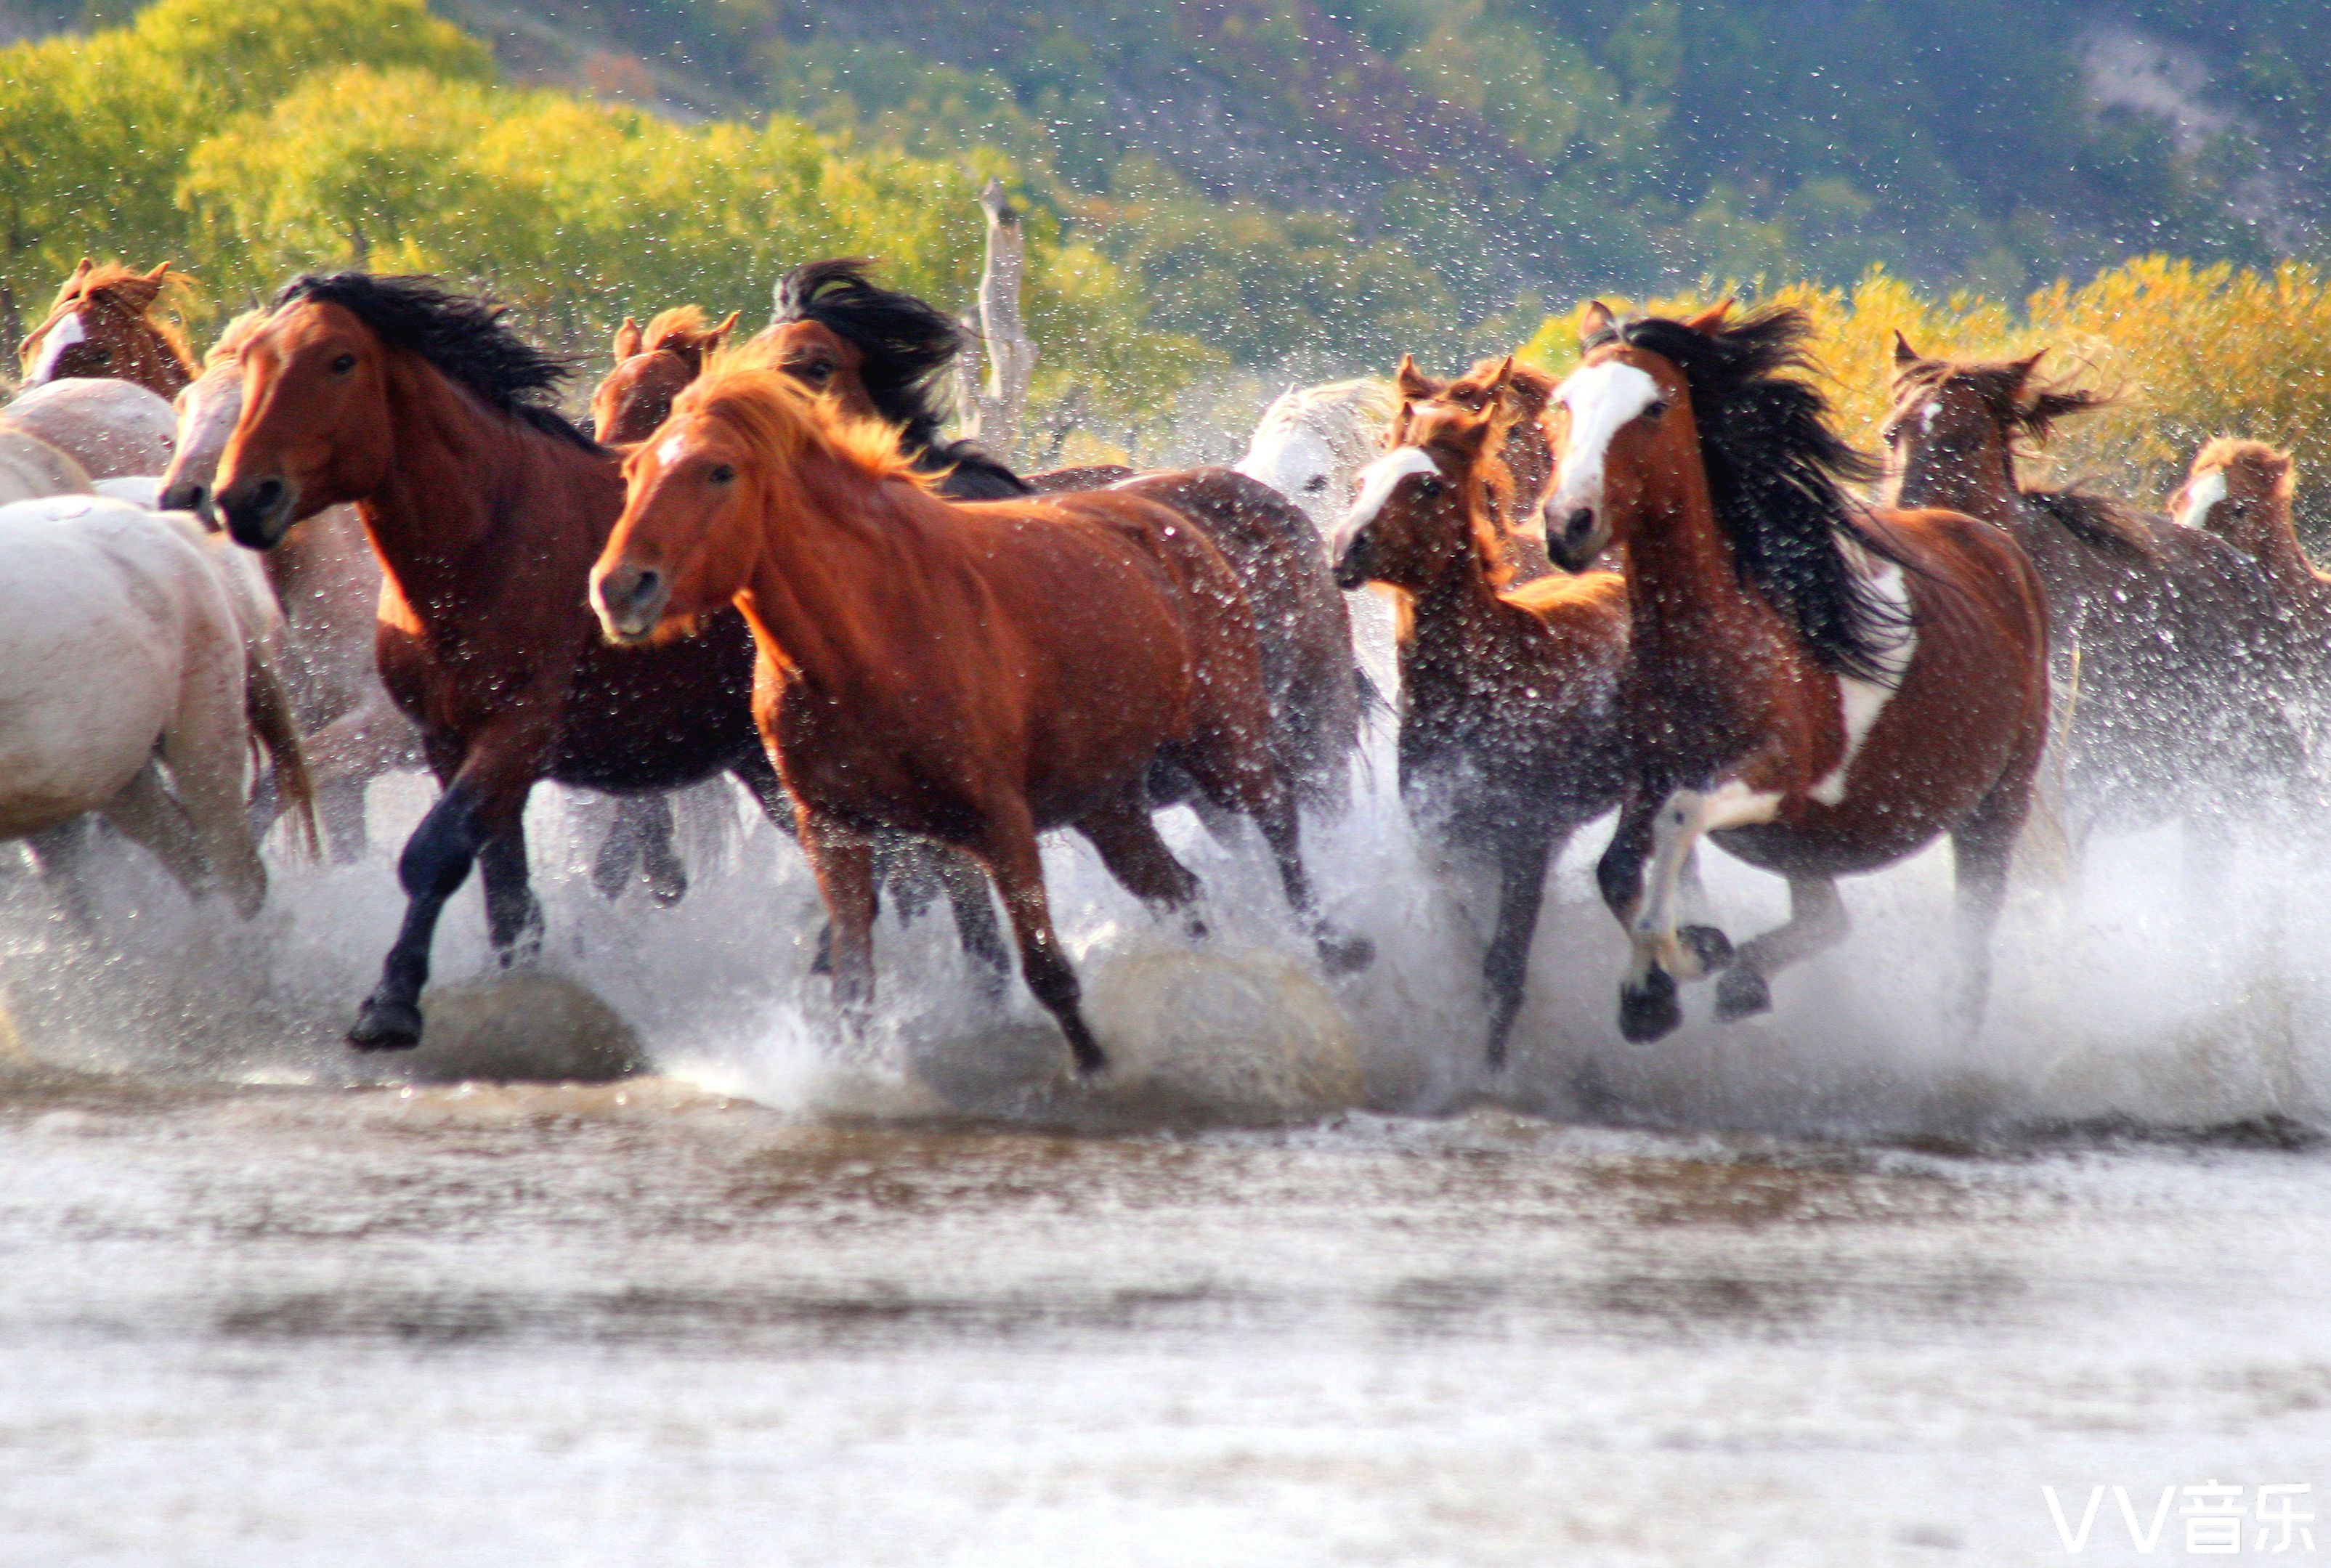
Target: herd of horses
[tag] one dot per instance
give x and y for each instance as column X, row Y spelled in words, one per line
column 1663, row 585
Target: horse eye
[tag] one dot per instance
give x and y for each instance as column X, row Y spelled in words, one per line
column 344, row 363
column 1431, row 488
column 1314, row 484
column 820, row 371
column 721, row 473
column 102, row 355
column 1657, row 406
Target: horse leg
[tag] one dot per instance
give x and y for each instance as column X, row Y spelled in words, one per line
column 1983, row 848
column 61, row 855
column 146, row 813
column 1008, row 846
column 646, row 821
column 843, row 862
column 1522, row 861
column 486, row 794
column 1647, row 886
column 1816, row 923
column 204, row 746
column 513, row 914
column 619, row 853
column 1125, row 831
column 975, row 919
column 1253, row 786
column 340, row 803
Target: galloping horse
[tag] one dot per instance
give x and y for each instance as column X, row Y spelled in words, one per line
column 2171, row 657
column 2241, row 492
column 102, row 325
column 974, row 673
column 1510, row 739
column 883, row 356
column 1517, row 482
column 113, row 429
column 651, row 369
column 1824, row 687
column 486, row 509
column 328, row 581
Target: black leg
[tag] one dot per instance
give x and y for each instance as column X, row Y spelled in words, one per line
column 1521, row 893
column 435, row 863
column 513, row 915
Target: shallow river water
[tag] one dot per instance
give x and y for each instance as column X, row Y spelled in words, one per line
column 1299, row 1285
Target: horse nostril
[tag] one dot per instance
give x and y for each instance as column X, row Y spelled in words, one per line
column 645, row 584
column 266, row 494
column 1579, row 522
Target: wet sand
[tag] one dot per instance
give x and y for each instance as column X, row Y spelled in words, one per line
column 638, row 1323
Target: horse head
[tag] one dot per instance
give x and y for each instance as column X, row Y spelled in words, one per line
column 102, row 325
column 1423, row 511
column 2240, row 490
column 651, row 366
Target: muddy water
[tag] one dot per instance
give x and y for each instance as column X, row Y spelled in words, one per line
column 1298, row 1284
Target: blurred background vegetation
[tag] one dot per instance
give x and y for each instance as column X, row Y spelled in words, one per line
column 1226, row 194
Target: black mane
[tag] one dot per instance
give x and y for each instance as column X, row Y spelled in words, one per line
column 907, row 347
column 1777, row 474
column 462, row 335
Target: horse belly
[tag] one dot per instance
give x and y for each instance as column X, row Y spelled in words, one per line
column 87, row 684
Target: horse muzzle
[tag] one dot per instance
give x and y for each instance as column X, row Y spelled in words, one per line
column 1352, row 567
column 1575, row 535
column 259, row 512
column 630, row 602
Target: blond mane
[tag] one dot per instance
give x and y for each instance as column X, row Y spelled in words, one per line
column 118, row 284
column 2255, row 456
column 778, row 417
column 680, row 321
column 231, row 342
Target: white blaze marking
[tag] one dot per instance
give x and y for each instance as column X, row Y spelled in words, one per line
column 1864, row 701
column 1378, row 481
column 67, row 332
column 669, row 452
column 1928, row 415
column 1684, row 818
column 1600, row 398
column 2200, row 496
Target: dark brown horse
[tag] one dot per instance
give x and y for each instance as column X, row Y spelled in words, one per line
column 650, row 369
column 1510, row 739
column 102, row 325
column 883, row 356
column 1826, row 688
column 487, row 509
column 973, row 673
column 2172, row 663
column 1516, row 483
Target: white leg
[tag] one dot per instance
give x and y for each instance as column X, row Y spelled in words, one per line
column 1684, row 818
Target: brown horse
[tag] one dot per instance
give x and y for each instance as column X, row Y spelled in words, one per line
column 1823, row 687
column 650, row 369
column 487, row 509
column 1510, row 739
column 973, row 673
column 2241, row 491
column 102, row 325
column 2172, row 660
column 1517, row 482
column 883, row 356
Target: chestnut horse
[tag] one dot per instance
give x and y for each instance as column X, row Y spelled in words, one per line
column 102, row 325
column 884, row 355
column 2241, row 491
column 486, row 509
column 1823, row 687
column 650, row 369
column 974, row 673
column 2172, row 659
column 1517, row 480
column 1510, row 739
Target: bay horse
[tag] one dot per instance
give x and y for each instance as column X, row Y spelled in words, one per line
column 102, row 324
column 2172, row 660
column 884, row 355
column 975, row 673
column 1823, row 685
column 1510, row 733
column 486, row 507
column 650, row 369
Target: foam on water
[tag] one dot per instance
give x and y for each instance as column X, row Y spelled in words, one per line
column 2136, row 1001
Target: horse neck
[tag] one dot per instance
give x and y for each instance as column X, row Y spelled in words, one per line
column 1458, row 634
column 473, row 500
column 158, row 365
column 1980, row 484
column 826, row 593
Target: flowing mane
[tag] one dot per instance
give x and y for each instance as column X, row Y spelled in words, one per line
column 785, row 422
column 1777, row 477
column 464, row 336
column 230, row 342
column 681, row 321
column 907, row 347
column 1351, row 416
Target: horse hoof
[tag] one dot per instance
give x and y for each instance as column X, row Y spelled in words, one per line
column 668, row 890
column 387, row 1026
column 1711, row 946
column 1346, row 955
column 1090, row 1060
column 1742, row 994
column 1648, row 1011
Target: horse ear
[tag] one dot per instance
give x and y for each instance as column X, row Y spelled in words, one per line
column 1904, row 354
column 1413, row 384
column 1504, row 377
column 713, row 339
column 1596, row 324
column 1711, row 321
column 161, row 270
column 2020, row 371
column 629, row 340
column 83, row 271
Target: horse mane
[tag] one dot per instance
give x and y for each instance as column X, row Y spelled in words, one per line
column 680, row 321
column 118, row 284
column 1354, row 417
column 463, row 336
column 230, row 341
column 785, row 422
column 908, row 344
column 1779, row 477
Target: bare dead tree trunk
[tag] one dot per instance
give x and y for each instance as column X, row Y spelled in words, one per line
column 996, row 405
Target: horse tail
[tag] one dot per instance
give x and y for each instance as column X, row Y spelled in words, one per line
column 276, row 731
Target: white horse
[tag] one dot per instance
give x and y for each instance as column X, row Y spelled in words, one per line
column 111, row 428
column 30, row 468
column 127, row 689
column 1310, row 447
